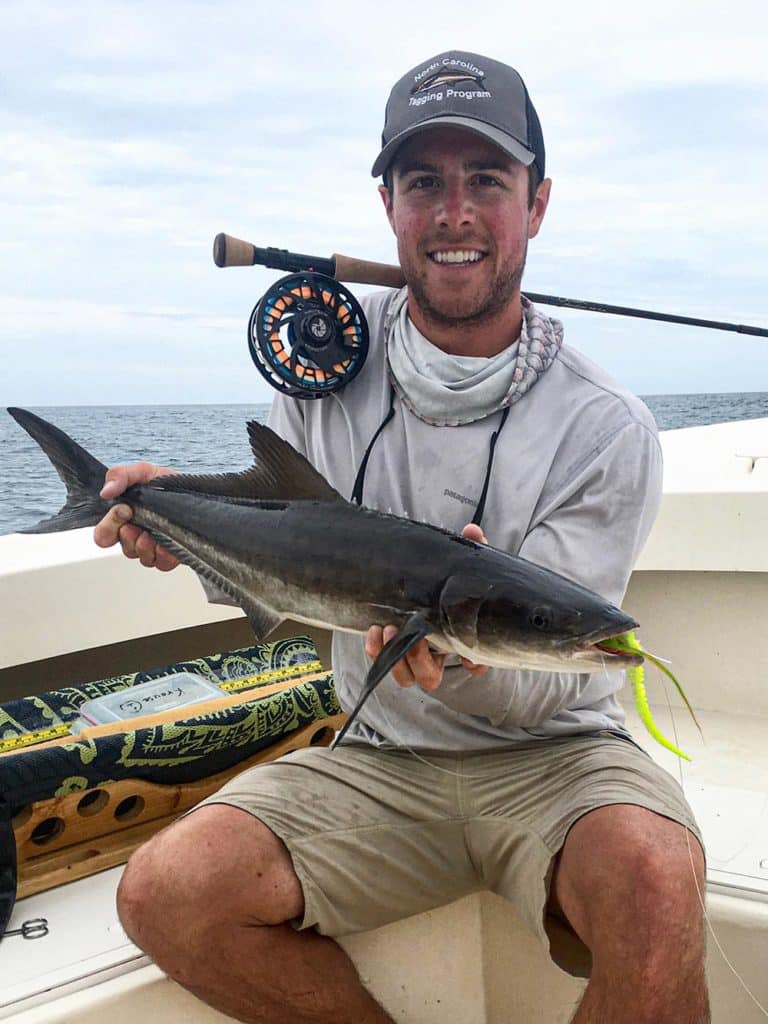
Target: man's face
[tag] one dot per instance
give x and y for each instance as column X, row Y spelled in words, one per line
column 459, row 209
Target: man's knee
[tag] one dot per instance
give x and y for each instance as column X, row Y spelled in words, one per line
column 218, row 866
column 663, row 892
column 633, row 874
column 668, row 874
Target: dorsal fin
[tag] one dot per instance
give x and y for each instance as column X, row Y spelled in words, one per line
column 279, row 473
column 290, row 474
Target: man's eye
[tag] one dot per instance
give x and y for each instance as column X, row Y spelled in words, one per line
column 486, row 180
column 423, row 182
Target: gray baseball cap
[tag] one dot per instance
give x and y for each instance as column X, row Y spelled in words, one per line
column 468, row 91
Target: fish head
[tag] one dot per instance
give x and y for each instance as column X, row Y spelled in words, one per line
column 533, row 618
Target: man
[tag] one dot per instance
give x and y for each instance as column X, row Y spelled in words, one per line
column 522, row 782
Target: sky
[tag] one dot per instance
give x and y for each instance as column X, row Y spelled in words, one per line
column 132, row 133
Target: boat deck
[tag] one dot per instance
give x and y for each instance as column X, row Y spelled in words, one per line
column 701, row 594
column 726, row 784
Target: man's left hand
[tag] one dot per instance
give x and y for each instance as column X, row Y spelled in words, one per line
column 421, row 665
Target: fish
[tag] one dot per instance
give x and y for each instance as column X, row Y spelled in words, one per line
column 281, row 542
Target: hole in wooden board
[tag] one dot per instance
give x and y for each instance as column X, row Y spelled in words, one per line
column 47, row 830
column 322, row 735
column 92, row 802
column 130, row 807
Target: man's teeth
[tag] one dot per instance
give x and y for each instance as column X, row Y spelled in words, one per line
column 457, row 256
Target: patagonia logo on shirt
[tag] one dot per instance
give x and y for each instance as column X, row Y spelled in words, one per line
column 448, row 493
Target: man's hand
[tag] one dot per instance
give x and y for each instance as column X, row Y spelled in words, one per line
column 421, row 665
column 115, row 526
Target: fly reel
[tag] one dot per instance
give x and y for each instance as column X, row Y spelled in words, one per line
column 308, row 335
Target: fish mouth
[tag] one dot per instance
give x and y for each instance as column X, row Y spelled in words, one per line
column 591, row 648
column 606, row 654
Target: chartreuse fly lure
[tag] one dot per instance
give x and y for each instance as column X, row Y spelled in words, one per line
column 636, row 675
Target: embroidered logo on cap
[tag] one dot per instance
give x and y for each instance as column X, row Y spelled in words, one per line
column 442, row 77
column 439, row 83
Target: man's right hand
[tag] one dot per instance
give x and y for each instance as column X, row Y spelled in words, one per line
column 116, row 526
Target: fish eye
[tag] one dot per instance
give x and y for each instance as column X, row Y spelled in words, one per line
column 540, row 618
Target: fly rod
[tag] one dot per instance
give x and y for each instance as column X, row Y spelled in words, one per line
column 234, row 252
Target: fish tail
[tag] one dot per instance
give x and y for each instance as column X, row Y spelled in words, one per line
column 82, row 474
column 637, row 679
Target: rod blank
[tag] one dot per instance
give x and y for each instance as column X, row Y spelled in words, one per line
column 234, row 252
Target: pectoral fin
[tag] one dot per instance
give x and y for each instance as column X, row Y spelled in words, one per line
column 460, row 601
column 262, row 619
column 415, row 628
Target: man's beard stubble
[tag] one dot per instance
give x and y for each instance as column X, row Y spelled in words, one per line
column 503, row 288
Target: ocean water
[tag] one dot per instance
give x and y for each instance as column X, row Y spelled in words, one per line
column 208, row 438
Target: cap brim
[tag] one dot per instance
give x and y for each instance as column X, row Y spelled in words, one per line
column 507, row 143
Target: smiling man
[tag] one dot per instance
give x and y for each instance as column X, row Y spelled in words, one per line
column 472, row 414
column 463, row 264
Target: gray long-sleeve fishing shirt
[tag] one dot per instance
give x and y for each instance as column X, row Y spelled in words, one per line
column 575, row 487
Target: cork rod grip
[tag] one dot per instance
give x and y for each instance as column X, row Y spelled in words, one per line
column 356, row 271
column 233, row 252
column 229, row 251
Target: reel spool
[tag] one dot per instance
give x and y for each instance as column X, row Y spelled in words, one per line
column 308, row 335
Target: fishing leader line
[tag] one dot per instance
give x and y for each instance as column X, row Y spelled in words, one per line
column 404, row 746
column 710, row 926
column 447, row 771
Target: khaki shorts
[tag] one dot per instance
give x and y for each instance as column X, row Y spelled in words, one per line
column 376, row 836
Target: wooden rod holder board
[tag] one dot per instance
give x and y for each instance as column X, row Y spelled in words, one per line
column 73, row 836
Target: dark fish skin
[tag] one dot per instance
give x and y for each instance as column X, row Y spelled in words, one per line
column 349, row 567
column 283, row 544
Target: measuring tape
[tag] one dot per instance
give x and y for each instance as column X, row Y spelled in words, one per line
column 272, row 676
column 54, row 732
column 27, row 739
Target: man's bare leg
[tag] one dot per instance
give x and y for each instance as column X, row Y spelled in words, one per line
column 624, row 881
column 208, row 899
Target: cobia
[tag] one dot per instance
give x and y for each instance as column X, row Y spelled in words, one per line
column 282, row 543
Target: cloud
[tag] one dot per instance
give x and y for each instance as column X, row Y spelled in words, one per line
column 131, row 134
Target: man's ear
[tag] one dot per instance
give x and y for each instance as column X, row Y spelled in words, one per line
column 386, row 198
column 539, row 207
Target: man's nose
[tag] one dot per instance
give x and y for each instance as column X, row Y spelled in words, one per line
column 456, row 207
